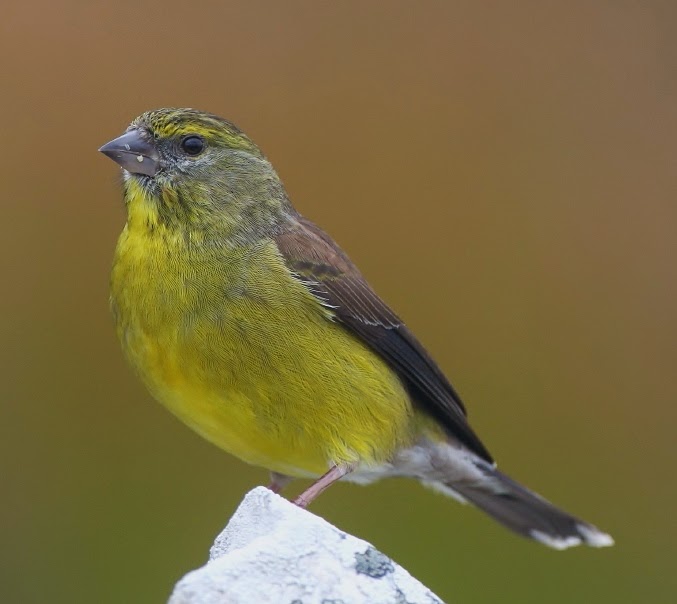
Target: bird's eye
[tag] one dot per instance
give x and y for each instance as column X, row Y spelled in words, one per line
column 193, row 145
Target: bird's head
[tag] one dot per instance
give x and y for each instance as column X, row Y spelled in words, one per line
column 184, row 168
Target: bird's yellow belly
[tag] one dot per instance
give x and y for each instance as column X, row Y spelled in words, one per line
column 259, row 369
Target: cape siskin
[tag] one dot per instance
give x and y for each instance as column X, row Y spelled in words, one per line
column 252, row 326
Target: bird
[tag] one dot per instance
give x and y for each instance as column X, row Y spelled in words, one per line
column 251, row 325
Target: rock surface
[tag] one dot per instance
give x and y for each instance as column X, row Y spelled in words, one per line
column 274, row 552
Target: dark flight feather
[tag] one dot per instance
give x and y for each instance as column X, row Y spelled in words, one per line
column 318, row 261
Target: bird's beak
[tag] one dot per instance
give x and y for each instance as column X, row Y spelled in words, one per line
column 134, row 152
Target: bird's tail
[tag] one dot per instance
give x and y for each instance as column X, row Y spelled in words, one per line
column 523, row 511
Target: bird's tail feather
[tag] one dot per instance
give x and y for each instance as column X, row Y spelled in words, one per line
column 523, row 511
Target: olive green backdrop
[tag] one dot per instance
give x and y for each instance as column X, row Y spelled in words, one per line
column 505, row 175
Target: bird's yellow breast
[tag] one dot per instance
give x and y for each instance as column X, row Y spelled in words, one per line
column 242, row 352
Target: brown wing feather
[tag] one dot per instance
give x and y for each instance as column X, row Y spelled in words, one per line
column 316, row 259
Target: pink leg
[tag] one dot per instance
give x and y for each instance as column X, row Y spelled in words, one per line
column 337, row 472
column 278, row 482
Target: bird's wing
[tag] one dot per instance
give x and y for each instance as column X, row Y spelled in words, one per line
column 328, row 272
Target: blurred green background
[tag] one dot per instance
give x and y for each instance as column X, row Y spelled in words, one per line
column 504, row 174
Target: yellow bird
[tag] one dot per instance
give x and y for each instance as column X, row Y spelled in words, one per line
column 252, row 326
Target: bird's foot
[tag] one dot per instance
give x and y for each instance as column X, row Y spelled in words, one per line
column 322, row 483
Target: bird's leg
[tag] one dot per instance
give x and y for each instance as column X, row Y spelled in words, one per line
column 278, row 482
column 336, row 473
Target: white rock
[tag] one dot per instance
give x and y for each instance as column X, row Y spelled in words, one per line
column 274, row 552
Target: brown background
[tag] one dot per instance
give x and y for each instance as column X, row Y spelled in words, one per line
column 503, row 172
